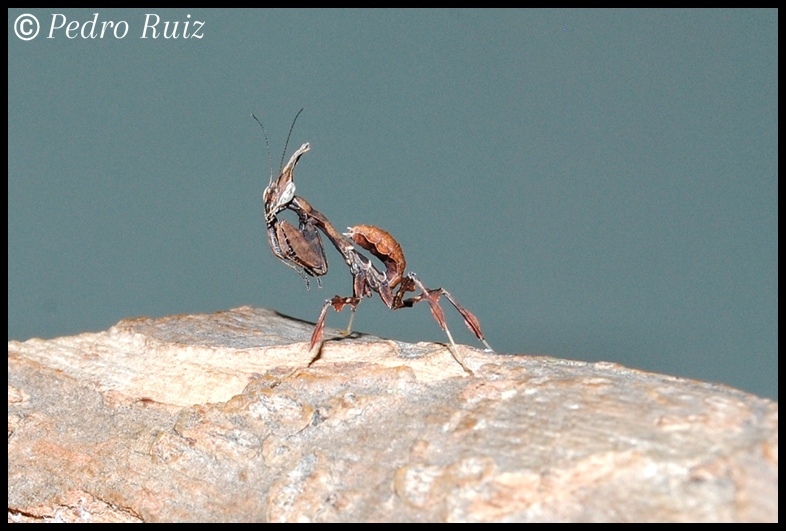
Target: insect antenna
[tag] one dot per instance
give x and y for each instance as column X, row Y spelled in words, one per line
column 286, row 144
column 267, row 145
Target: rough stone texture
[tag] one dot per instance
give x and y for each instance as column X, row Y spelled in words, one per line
column 186, row 418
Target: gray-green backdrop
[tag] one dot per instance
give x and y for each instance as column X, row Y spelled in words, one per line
column 594, row 185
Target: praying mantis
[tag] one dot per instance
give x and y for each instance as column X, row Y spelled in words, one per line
column 301, row 248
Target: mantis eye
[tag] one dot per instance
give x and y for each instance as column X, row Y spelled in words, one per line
column 287, row 194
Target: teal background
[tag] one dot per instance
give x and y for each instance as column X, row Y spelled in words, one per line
column 594, row 185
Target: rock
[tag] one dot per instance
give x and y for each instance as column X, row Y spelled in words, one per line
column 187, row 418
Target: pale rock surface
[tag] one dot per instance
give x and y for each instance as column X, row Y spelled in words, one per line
column 186, row 418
